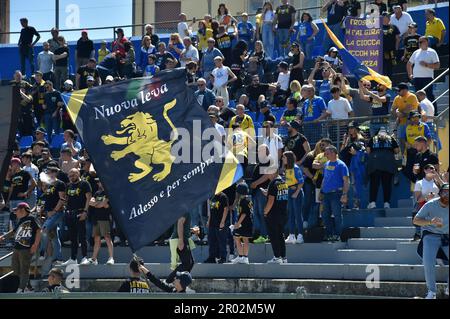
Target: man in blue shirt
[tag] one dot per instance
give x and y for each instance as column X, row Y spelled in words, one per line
column 313, row 108
column 324, row 85
column 52, row 105
column 334, row 190
column 433, row 217
column 205, row 97
column 207, row 62
column 246, row 30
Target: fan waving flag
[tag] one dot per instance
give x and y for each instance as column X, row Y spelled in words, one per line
column 148, row 143
column 354, row 66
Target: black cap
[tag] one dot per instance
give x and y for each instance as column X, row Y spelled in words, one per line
column 353, row 124
column 414, row 114
column 402, row 86
column 295, row 125
column 412, row 25
column 119, row 30
column 242, row 189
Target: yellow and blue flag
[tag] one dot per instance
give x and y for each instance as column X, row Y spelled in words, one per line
column 355, row 66
column 144, row 137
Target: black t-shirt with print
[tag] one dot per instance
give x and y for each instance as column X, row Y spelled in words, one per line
column 336, row 13
column 100, row 213
column 284, row 16
column 135, row 285
column 353, row 7
column 84, row 71
column 254, row 92
column 217, row 206
column 291, row 115
column 411, row 43
column 425, row 158
column 389, row 35
column 63, row 61
column 76, row 195
column 89, row 177
column 295, row 144
column 257, row 173
column 19, row 182
column 25, row 232
column 279, row 189
column 224, row 43
column 51, row 194
column 246, row 207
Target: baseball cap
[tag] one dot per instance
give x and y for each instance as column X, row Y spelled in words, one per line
column 267, row 124
column 353, row 124
column 414, row 114
column 109, row 78
column 185, row 278
column 295, row 125
column 90, row 78
column 402, row 86
column 23, row 205
column 444, row 186
column 16, row 160
column 412, row 25
column 68, row 82
column 242, row 189
column 333, row 49
column 420, row 139
column 41, row 130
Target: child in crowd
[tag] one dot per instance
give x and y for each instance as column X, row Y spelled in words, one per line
column 151, row 69
column 242, row 229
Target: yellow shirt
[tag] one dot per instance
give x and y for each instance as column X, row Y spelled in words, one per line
column 259, row 21
column 405, row 105
column 434, row 28
column 246, row 124
column 102, row 53
column 322, row 159
column 238, row 142
column 413, row 131
column 203, row 39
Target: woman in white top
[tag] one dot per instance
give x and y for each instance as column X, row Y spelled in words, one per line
column 222, row 76
column 425, row 190
column 268, row 37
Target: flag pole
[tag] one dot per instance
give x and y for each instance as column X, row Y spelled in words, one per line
column 138, row 260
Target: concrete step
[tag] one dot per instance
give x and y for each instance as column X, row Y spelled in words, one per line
column 310, row 287
column 371, row 256
column 387, row 232
column 374, row 243
column 399, row 212
column 341, row 271
column 405, row 203
column 393, row 221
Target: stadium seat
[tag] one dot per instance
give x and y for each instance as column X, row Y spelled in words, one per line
column 25, row 142
column 232, row 104
column 57, row 141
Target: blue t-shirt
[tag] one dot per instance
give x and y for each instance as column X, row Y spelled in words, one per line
column 245, row 31
column 313, row 110
column 51, row 99
column 150, row 69
column 208, row 59
column 333, row 173
column 180, row 46
column 323, row 86
column 305, row 30
column 433, row 209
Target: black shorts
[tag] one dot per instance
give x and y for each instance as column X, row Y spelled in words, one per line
column 243, row 232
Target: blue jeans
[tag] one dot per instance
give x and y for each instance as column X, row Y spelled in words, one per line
column 51, row 123
column 307, row 47
column 295, row 217
column 431, row 245
column 51, row 223
column 332, row 205
column 217, row 240
column 259, row 202
column 283, row 42
column 357, row 182
column 327, row 42
column 26, row 54
column 309, row 210
column 268, row 39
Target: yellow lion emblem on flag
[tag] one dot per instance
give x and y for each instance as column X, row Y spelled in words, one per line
column 142, row 140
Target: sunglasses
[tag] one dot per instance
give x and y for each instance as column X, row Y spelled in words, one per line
column 430, row 169
column 219, row 101
column 200, row 84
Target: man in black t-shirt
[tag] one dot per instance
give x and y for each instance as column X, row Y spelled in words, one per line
column 101, row 218
column 78, row 195
column 217, row 237
column 336, row 12
column 296, row 142
column 22, row 184
column 276, row 216
column 61, row 56
column 84, row 50
column 284, row 21
column 54, row 199
column 26, row 45
column 423, row 157
column 26, row 242
column 411, row 41
column 87, row 70
column 55, row 277
column 391, row 42
column 256, row 89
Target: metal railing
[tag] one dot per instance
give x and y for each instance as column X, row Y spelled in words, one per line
column 435, row 79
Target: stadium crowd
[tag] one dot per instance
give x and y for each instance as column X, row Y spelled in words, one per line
column 258, row 82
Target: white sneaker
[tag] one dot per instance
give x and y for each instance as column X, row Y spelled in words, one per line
column 28, row 291
column 290, row 239
column 189, row 290
column 275, row 260
column 387, row 205
column 285, row 261
column 299, row 239
column 244, row 260
column 19, row 291
column 231, row 257
column 69, row 262
column 430, row 295
column 89, row 261
column 41, row 258
column 110, row 261
column 372, row 205
column 446, row 291
column 236, row 260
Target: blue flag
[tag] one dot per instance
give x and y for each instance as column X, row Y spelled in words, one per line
column 144, row 137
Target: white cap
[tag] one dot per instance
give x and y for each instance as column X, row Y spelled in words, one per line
column 68, row 82
column 90, row 78
column 109, row 78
